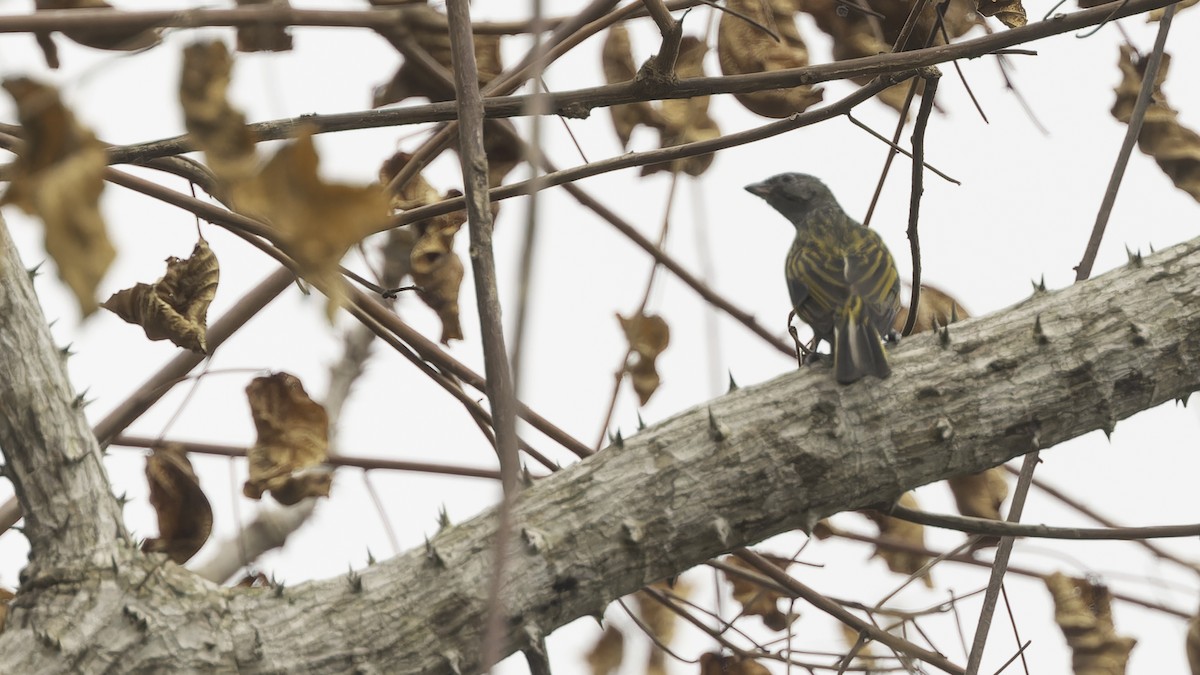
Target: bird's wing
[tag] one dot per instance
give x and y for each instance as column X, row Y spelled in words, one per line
column 870, row 274
column 817, row 285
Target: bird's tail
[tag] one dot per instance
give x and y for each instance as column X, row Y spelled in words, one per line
column 858, row 349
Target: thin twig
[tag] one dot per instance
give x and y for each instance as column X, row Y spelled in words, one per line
column 502, row 398
column 1000, row 562
column 1084, row 269
column 335, row 459
column 931, row 78
column 999, row 528
column 898, row 148
column 895, row 545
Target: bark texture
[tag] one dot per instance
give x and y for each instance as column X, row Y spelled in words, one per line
column 756, row 462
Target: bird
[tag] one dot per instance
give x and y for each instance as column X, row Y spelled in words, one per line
column 841, row 278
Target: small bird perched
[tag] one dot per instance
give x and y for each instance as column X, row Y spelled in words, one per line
column 840, row 276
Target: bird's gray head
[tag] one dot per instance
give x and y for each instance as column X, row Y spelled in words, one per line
column 793, row 194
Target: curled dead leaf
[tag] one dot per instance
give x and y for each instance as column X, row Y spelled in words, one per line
column 293, row 435
column 756, row 599
column 902, row 532
column 175, row 307
column 686, row 120
column 648, row 336
column 608, row 652
column 730, row 664
column 1083, row 611
column 437, row 270
column 746, row 48
column 58, row 175
column 428, row 247
column 616, row 57
column 1173, row 146
column 184, row 515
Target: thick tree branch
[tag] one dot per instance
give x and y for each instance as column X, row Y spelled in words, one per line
column 51, row 455
column 754, row 463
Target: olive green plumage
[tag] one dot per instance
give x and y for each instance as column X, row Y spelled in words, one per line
column 840, row 275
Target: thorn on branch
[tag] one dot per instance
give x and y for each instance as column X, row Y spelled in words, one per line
column 718, row 431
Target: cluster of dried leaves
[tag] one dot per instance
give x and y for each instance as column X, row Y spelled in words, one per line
column 293, row 440
column 422, row 35
column 760, row 599
column 1173, row 146
column 316, row 221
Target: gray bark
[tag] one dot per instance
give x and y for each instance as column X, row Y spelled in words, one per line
column 751, row 464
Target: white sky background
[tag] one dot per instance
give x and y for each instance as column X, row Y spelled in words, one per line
column 1025, row 210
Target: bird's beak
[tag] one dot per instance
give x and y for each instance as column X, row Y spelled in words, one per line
column 759, row 189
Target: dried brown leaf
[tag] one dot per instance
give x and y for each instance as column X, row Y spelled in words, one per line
column 980, row 495
column 1010, row 12
column 1173, row 146
column 216, row 127
column 266, row 37
column 428, row 29
column 616, row 57
column 901, row 532
column 660, row 620
column 686, row 120
column 1084, row 613
column 865, row 658
column 118, row 40
column 935, row 309
column 293, row 434
column 745, row 48
column 184, row 515
column 58, row 175
column 608, row 652
column 435, row 268
column 757, row 600
column 318, row 221
column 731, row 664
column 648, row 336
column 175, row 307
